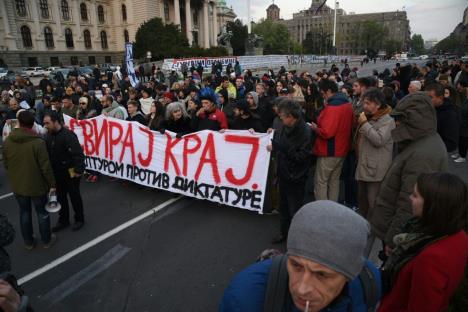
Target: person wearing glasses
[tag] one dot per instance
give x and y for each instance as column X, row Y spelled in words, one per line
column 85, row 111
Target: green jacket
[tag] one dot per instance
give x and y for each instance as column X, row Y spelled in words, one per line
column 27, row 163
column 420, row 150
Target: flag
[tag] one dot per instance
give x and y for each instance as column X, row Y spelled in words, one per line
column 129, row 62
column 320, row 6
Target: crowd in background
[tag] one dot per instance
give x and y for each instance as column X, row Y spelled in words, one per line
column 338, row 136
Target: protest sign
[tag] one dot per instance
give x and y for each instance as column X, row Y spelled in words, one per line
column 229, row 168
column 206, row 62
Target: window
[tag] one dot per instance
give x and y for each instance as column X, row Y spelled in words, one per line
column 65, row 10
column 91, row 60
column 126, row 36
column 20, row 8
column 44, row 7
column 84, row 12
column 100, row 12
column 69, row 38
column 103, row 39
column 166, row 10
column 107, row 59
column 49, row 37
column 54, row 61
column 26, row 36
column 124, row 12
column 87, row 39
column 74, row 60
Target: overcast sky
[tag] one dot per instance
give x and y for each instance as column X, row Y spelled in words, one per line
column 431, row 18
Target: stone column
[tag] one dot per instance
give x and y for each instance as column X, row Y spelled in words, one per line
column 6, row 25
column 188, row 22
column 35, row 18
column 77, row 18
column 58, row 17
column 176, row 13
column 94, row 21
column 215, row 24
column 206, row 26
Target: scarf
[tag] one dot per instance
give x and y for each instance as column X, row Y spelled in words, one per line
column 357, row 136
column 407, row 246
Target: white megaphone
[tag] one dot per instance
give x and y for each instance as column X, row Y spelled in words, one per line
column 53, row 205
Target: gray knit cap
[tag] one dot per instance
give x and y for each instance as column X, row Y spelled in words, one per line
column 330, row 234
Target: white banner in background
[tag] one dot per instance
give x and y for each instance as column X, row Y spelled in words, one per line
column 229, row 168
column 207, row 62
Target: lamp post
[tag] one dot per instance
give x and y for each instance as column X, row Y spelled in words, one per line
column 334, row 28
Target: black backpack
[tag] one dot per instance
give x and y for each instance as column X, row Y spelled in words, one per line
column 277, row 292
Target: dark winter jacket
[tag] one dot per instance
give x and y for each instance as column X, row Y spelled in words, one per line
column 7, row 235
column 448, row 124
column 139, row 117
column 334, row 124
column 252, row 122
column 265, row 111
column 464, row 119
column 421, row 150
column 27, row 163
column 293, row 149
column 65, row 152
column 180, row 126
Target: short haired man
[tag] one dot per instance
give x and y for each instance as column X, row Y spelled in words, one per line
column 68, row 108
column 30, row 173
column 333, row 130
column 67, row 159
column 293, row 150
column 448, row 120
column 323, row 270
column 134, row 114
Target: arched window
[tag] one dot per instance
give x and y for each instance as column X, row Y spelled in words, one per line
column 44, row 7
column 100, row 12
column 26, row 36
column 69, row 38
column 87, row 39
column 124, row 12
column 20, row 8
column 103, row 39
column 49, row 37
column 65, row 10
column 126, row 36
column 84, row 12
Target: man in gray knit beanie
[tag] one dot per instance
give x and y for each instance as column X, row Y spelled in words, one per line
column 328, row 240
column 324, row 270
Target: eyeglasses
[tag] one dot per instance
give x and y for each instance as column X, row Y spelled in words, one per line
column 83, row 103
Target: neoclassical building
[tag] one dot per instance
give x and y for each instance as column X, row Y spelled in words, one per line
column 74, row 32
column 319, row 19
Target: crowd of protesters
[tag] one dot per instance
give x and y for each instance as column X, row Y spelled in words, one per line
column 378, row 145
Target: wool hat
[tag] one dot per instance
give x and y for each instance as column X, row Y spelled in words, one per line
column 330, row 234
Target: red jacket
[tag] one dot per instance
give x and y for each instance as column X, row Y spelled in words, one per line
column 334, row 130
column 428, row 281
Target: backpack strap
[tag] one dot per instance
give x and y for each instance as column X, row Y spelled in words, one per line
column 277, row 287
column 369, row 288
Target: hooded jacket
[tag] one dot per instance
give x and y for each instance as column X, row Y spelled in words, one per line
column 334, row 127
column 27, row 163
column 421, row 150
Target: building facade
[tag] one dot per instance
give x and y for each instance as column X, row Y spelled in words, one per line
column 273, row 12
column 78, row 32
column 319, row 20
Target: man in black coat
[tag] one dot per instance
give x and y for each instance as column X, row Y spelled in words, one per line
column 67, row 160
column 293, row 148
column 448, row 117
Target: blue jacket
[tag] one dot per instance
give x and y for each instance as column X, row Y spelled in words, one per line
column 246, row 292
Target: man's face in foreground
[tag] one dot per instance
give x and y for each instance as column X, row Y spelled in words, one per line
column 313, row 282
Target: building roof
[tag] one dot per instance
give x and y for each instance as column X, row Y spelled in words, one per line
column 273, row 6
